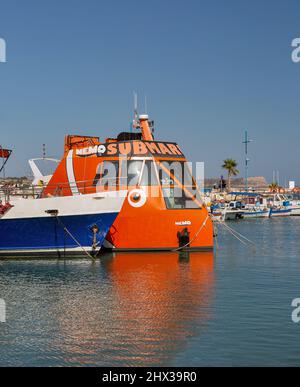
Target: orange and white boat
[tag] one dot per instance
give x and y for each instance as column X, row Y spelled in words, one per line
column 163, row 209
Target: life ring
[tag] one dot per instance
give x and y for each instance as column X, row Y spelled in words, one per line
column 137, row 198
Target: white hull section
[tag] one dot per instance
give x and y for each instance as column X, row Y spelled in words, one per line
column 59, row 224
column 256, row 214
column 295, row 211
column 67, row 205
column 233, row 215
column 280, row 213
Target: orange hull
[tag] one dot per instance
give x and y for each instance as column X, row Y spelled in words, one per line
column 153, row 227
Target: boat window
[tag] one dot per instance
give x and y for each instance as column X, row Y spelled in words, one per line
column 167, row 169
column 176, row 198
column 134, row 172
column 178, row 185
column 149, row 177
column 107, row 175
column 176, row 172
column 130, row 172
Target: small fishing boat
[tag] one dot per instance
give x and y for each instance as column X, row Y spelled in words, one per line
column 216, row 213
column 253, row 204
column 294, row 204
column 48, row 225
column 233, row 210
column 256, row 212
column 295, row 208
column 227, row 211
column 231, row 214
column 279, row 212
column 279, row 206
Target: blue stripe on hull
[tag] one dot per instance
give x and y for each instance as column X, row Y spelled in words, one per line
column 48, row 233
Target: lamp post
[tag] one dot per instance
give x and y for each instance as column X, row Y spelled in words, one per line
column 246, row 142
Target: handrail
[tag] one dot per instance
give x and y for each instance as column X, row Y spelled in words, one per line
column 83, row 186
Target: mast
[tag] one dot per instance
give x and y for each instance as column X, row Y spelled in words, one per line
column 142, row 121
column 135, row 124
column 145, row 127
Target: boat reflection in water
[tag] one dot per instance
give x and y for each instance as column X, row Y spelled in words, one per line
column 140, row 312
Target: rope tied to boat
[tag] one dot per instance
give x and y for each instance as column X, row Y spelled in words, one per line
column 74, row 239
column 240, row 237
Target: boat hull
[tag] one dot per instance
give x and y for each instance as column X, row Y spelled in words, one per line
column 233, row 215
column 256, row 214
column 280, row 213
column 152, row 227
column 295, row 211
column 58, row 225
column 49, row 233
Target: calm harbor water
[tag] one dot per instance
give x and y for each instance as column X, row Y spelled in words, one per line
column 232, row 307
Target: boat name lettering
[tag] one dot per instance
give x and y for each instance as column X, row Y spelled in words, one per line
column 134, row 148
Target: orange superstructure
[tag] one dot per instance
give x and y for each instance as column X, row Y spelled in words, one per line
column 163, row 209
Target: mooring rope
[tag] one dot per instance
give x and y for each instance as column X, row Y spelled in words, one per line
column 241, row 235
column 74, row 239
column 237, row 234
column 216, row 235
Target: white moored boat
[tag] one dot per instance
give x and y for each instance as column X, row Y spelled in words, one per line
column 295, row 209
column 34, row 224
column 294, row 204
column 280, row 206
column 227, row 211
column 71, row 224
column 280, row 211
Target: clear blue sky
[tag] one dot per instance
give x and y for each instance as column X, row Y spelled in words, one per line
column 210, row 69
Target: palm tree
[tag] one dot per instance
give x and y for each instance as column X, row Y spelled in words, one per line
column 230, row 166
column 274, row 187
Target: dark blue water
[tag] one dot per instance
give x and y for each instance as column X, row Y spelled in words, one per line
column 228, row 308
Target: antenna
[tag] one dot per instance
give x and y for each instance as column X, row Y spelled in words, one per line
column 246, row 142
column 135, row 112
